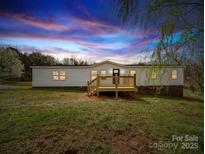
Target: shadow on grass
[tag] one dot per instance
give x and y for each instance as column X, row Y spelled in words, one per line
column 184, row 98
column 122, row 96
column 187, row 98
column 141, row 100
column 51, row 89
column 60, row 89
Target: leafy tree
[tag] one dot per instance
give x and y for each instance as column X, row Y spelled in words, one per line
column 38, row 59
column 10, row 64
column 35, row 59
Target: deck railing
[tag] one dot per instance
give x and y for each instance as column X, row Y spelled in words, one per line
column 91, row 86
column 111, row 82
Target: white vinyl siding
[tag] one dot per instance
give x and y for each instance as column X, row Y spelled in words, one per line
column 74, row 77
column 143, row 76
column 78, row 77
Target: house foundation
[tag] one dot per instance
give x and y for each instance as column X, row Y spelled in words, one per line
column 161, row 90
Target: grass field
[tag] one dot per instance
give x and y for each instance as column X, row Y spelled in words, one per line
column 67, row 121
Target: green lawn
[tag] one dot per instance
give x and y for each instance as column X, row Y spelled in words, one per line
column 67, row 121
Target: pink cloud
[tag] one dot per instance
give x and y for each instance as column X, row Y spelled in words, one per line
column 92, row 26
column 37, row 23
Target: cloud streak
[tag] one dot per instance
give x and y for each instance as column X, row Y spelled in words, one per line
column 35, row 22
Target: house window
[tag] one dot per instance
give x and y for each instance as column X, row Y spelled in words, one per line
column 103, row 73
column 116, row 71
column 174, row 74
column 132, row 72
column 154, row 74
column 58, row 75
column 93, row 74
column 55, row 75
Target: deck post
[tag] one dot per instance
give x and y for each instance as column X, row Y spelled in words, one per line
column 135, row 86
column 135, row 80
column 98, row 93
column 135, row 95
column 98, row 81
column 116, row 81
column 116, row 94
column 116, row 85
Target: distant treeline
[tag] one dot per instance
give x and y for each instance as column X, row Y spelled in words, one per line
column 16, row 64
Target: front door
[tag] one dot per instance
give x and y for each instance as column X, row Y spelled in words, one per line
column 116, row 72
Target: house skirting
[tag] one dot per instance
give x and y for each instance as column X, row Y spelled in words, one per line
column 161, row 90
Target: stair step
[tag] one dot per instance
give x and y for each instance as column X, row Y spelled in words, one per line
column 92, row 92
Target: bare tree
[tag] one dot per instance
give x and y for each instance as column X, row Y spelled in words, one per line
column 179, row 25
column 74, row 61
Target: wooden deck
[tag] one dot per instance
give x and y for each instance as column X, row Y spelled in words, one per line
column 112, row 83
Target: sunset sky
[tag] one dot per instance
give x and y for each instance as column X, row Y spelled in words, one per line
column 87, row 29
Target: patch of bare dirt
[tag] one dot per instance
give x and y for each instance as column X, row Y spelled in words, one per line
column 83, row 97
column 100, row 97
column 122, row 97
column 63, row 141
column 131, row 141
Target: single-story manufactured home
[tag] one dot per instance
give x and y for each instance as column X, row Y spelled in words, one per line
column 110, row 76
